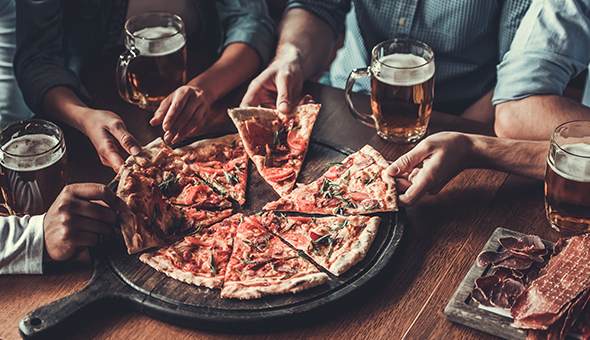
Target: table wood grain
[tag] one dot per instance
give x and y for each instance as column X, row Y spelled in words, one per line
column 443, row 235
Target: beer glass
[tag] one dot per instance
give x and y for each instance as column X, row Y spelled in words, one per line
column 402, row 89
column 154, row 62
column 567, row 178
column 33, row 165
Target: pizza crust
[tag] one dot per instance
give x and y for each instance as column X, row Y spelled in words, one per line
column 163, row 265
column 358, row 249
column 258, row 288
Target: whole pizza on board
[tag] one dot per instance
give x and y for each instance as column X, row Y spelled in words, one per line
column 180, row 203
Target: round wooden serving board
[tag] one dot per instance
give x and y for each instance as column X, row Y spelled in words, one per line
column 118, row 275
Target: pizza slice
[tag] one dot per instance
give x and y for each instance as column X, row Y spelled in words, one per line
column 164, row 199
column 358, row 185
column 276, row 142
column 261, row 264
column 221, row 163
column 336, row 243
column 200, row 258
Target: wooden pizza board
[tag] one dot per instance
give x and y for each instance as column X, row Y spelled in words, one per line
column 119, row 276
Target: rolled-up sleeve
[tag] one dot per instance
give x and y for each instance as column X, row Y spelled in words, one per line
column 21, row 245
column 248, row 22
column 39, row 63
column 333, row 12
column 551, row 46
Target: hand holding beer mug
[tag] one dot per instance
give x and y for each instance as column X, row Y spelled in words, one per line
column 33, row 163
column 154, row 63
column 402, row 89
column 567, row 179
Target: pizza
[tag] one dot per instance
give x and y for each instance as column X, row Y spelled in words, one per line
column 262, row 264
column 200, row 258
column 276, row 142
column 336, row 243
column 254, row 256
column 172, row 192
column 357, row 185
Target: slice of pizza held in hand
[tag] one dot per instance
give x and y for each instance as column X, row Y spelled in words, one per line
column 276, row 142
column 357, row 185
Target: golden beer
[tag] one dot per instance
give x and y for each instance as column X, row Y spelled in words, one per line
column 154, row 64
column 402, row 89
column 567, row 188
column 401, row 96
column 33, row 164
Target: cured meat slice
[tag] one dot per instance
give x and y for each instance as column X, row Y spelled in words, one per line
column 525, row 244
column 548, row 297
column 504, row 293
column 488, row 257
column 515, row 263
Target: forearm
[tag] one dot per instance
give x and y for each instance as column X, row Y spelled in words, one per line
column 305, row 39
column 536, row 117
column 519, row 157
column 62, row 104
column 238, row 63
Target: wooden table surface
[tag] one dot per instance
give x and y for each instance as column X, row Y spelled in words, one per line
column 443, row 235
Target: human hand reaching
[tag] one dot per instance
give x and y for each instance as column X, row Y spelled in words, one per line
column 277, row 87
column 180, row 113
column 442, row 155
column 80, row 214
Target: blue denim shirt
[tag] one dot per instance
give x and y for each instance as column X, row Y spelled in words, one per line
column 56, row 39
column 551, row 46
column 469, row 37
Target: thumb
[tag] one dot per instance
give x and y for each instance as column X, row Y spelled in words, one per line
column 407, row 162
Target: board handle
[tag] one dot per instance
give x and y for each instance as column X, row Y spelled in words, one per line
column 44, row 321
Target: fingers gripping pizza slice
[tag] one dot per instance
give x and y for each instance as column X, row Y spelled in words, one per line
column 358, row 185
column 200, row 258
column 261, row 264
column 276, row 142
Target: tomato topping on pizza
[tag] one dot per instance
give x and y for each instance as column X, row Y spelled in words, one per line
column 358, row 185
column 276, row 142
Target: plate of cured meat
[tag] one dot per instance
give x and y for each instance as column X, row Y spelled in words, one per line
column 522, row 287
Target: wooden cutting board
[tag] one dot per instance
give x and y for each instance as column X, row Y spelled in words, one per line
column 118, row 275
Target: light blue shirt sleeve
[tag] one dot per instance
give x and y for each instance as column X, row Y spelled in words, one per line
column 248, row 21
column 21, row 245
column 551, row 46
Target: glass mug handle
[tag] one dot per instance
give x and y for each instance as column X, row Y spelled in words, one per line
column 121, row 75
column 352, row 77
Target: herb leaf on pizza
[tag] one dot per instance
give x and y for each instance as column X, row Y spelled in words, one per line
column 276, row 142
column 167, row 197
column 357, row 185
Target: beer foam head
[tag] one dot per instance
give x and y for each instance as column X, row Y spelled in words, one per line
column 572, row 167
column 403, row 69
column 158, row 41
column 30, row 152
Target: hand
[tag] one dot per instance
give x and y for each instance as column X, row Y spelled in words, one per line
column 443, row 156
column 277, row 87
column 181, row 112
column 76, row 219
column 110, row 137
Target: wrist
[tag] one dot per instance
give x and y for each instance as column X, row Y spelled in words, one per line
column 208, row 93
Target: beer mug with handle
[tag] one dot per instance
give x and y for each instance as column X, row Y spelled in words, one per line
column 402, row 89
column 567, row 179
column 33, row 164
column 154, row 62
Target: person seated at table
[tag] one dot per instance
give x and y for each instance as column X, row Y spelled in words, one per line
column 57, row 39
column 74, row 220
column 468, row 38
column 551, row 46
column 12, row 105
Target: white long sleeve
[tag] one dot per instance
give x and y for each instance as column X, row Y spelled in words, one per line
column 21, row 245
